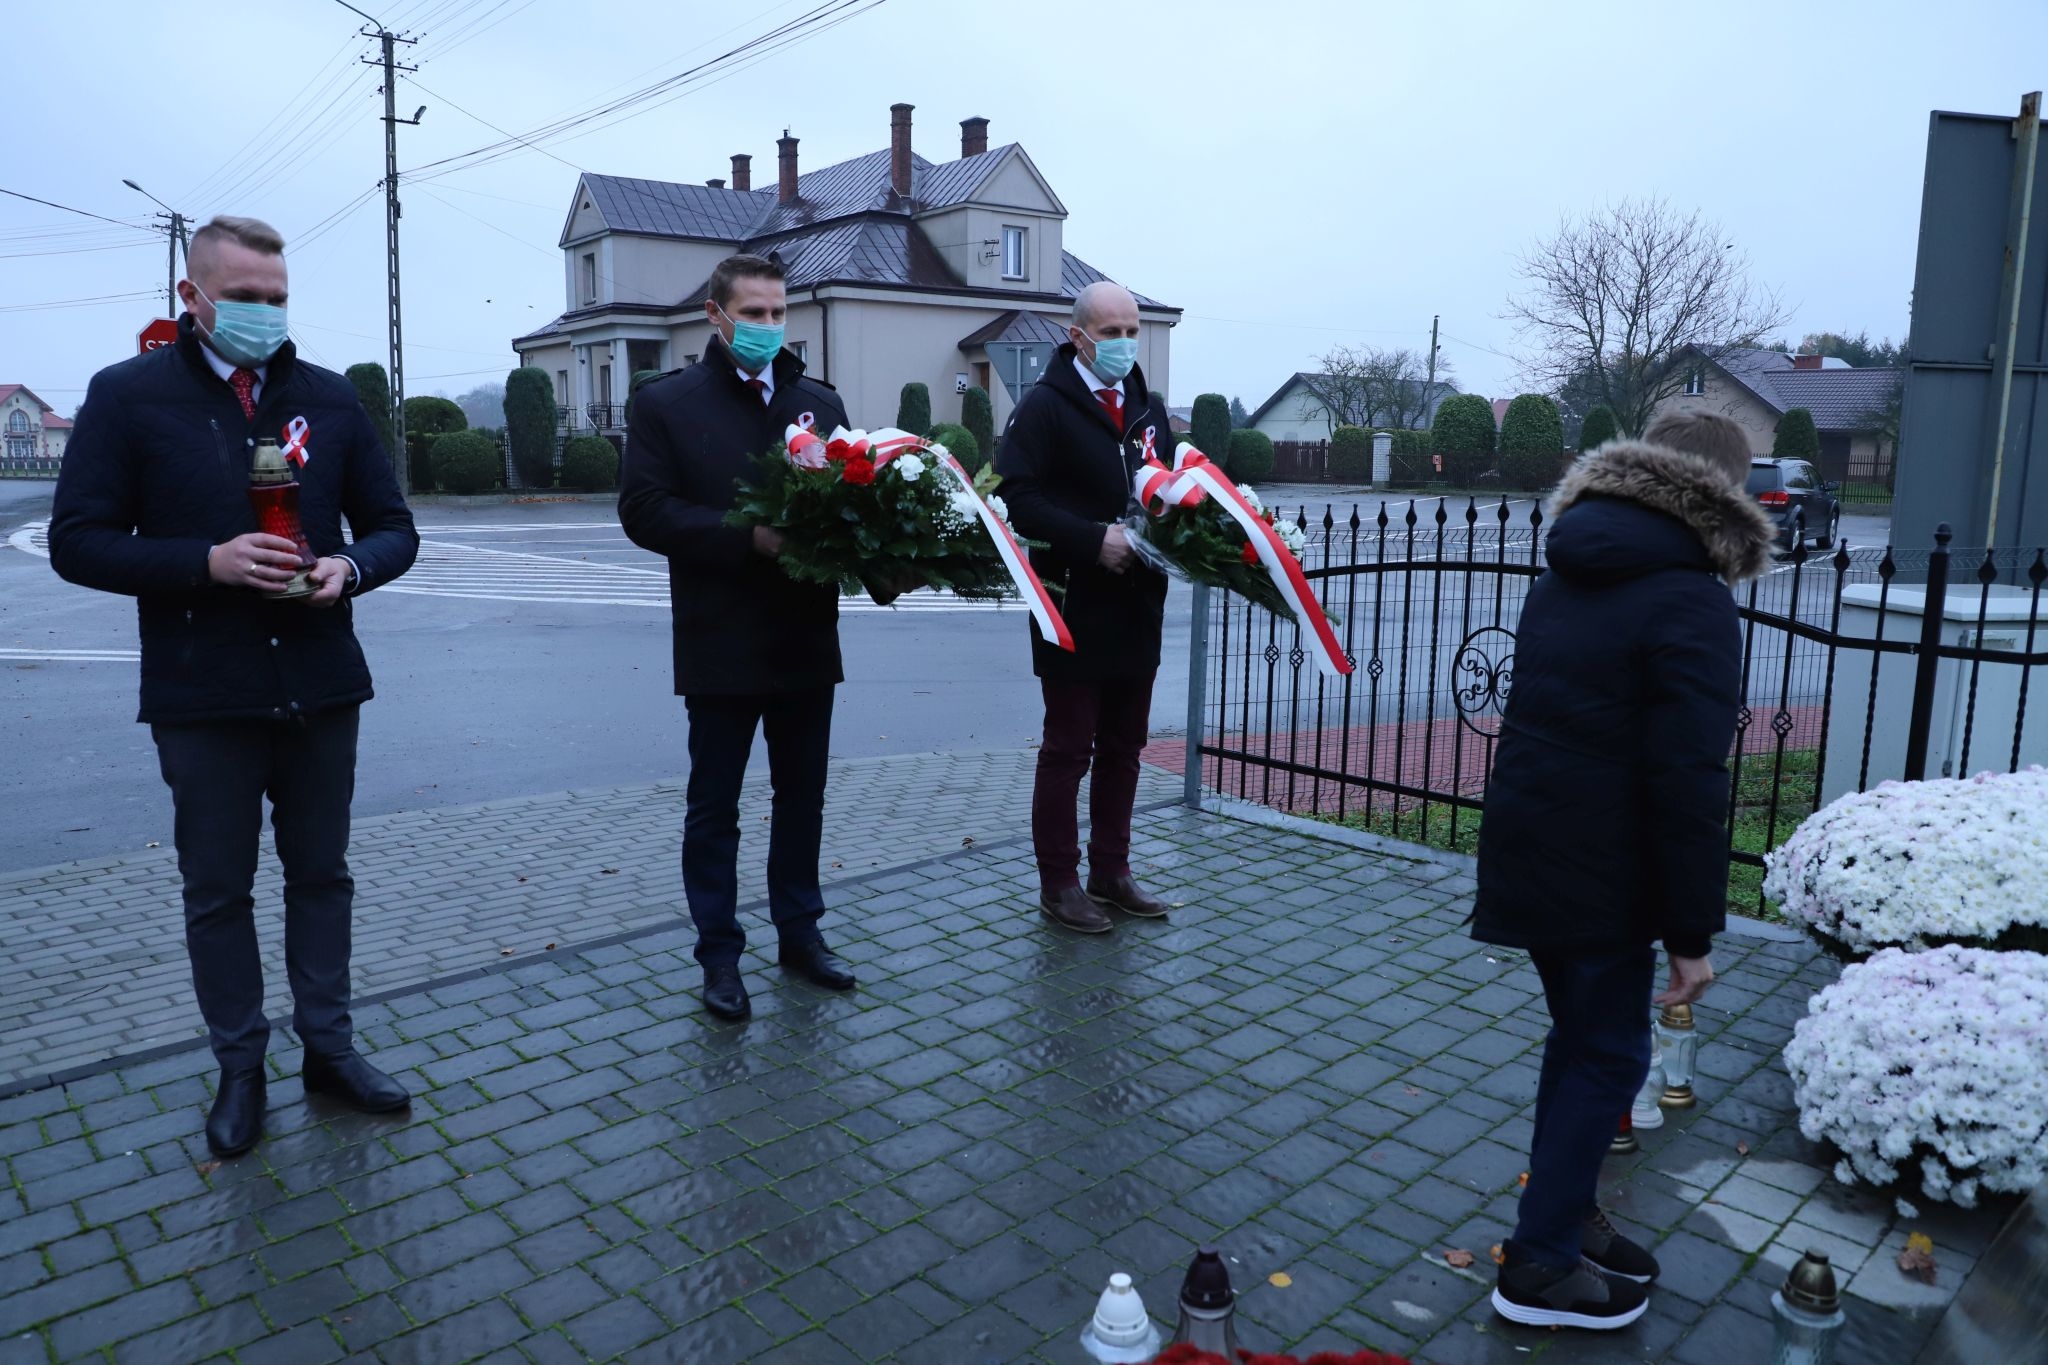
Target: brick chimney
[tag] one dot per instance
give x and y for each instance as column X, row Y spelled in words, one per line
column 973, row 136
column 1806, row 362
column 899, row 149
column 716, row 184
column 742, row 172
column 785, row 147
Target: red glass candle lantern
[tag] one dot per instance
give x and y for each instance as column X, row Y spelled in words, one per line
column 274, row 493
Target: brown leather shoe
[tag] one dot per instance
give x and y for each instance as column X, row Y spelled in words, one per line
column 1126, row 895
column 1072, row 909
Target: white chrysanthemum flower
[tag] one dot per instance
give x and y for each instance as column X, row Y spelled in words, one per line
column 910, row 468
column 1902, row 1066
column 1000, row 508
column 1244, row 490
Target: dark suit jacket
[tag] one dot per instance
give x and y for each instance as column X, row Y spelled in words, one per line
column 742, row 626
column 1067, row 473
column 157, row 474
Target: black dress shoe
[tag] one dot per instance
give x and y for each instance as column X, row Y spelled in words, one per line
column 1072, row 909
column 817, row 964
column 725, row 994
column 353, row 1081
column 237, row 1118
column 1126, row 895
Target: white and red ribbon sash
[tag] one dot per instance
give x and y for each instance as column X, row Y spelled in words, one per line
column 807, row 450
column 295, row 433
column 1192, row 478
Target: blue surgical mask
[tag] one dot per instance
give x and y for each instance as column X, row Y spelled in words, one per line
column 754, row 345
column 246, row 333
column 1114, row 357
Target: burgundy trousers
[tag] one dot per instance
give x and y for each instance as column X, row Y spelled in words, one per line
column 1104, row 722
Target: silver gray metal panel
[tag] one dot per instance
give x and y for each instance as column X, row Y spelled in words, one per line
column 1945, row 458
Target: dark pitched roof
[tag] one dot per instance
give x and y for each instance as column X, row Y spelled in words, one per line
column 956, row 182
column 1017, row 325
column 1076, row 275
column 1839, row 397
column 660, row 209
column 1314, row 384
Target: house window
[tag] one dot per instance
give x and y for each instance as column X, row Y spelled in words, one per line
column 1695, row 383
column 801, row 350
column 1013, row 254
column 561, row 386
column 590, row 277
column 604, row 383
column 21, row 446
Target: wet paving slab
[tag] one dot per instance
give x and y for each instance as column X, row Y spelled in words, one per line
column 1308, row 1064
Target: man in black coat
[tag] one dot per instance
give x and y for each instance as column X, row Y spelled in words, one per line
column 245, row 694
column 1606, row 818
column 1068, row 459
column 753, row 647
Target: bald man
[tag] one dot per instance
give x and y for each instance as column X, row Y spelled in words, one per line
column 247, row 693
column 1067, row 461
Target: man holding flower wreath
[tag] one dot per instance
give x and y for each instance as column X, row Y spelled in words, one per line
column 1068, row 461
column 753, row 647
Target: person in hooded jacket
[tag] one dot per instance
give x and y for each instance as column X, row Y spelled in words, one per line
column 1606, row 819
column 246, row 695
column 1068, row 460
column 754, row 648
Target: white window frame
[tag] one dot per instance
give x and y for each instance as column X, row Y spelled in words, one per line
column 801, row 350
column 589, row 278
column 1019, row 266
column 1695, row 382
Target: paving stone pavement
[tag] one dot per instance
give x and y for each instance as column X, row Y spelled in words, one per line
column 1309, row 1064
column 96, row 961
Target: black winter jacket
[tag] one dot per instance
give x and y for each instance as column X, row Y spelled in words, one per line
column 157, row 474
column 1606, row 817
column 742, row 626
column 1067, row 473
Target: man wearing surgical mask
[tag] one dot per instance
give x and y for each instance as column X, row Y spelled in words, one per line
column 247, row 694
column 754, row 648
column 1068, row 460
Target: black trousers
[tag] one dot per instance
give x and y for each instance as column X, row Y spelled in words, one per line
column 219, row 772
column 798, row 727
column 1594, row 1062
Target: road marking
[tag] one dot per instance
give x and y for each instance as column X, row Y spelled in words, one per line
column 70, row 656
column 34, row 538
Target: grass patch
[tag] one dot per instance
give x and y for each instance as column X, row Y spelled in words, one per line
column 1797, row 786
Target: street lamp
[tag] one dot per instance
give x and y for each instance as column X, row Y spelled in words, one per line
column 177, row 234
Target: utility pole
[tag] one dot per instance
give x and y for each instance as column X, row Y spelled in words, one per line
column 175, row 230
column 389, row 42
column 1429, row 389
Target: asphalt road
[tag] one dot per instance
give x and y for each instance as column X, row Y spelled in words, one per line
column 528, row 652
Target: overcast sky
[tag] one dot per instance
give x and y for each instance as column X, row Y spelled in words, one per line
column 1295, row 175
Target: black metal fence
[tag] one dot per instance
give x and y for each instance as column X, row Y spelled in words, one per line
column 1859, row 666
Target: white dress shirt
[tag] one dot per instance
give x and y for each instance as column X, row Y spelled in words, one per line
column 767, row 378
column 1095, row 382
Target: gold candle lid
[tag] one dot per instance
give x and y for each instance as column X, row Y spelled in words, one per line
column 1677, row 1016
column 1811, row 1285
column 268, row 465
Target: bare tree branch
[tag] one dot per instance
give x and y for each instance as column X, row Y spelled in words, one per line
column 1611, row 301
column 1367, row 386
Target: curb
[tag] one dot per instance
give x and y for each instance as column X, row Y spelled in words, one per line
column 538, row 495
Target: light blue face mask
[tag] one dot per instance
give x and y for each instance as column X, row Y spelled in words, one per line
column 1114, row 357
column 754, row 345
column 245, row 333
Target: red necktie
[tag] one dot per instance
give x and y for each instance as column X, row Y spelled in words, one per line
column 759, row 386
column 1113, row 404
column 244, row 382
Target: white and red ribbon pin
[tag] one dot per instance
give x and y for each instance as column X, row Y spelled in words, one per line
column 295, row 441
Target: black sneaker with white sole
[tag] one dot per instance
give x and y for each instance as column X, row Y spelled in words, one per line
column 1605, row 1247
column 1583, row 1296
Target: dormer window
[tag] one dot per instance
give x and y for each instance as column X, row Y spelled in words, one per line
column 1013, row 254
column 589, row 277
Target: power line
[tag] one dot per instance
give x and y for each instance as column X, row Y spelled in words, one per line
column 94, row 301
column 83, row 213
column 279, row 125
column 474, row 34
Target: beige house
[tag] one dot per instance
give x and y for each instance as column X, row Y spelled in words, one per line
column 1757, row 388
column 950, row 273
column 32, row 435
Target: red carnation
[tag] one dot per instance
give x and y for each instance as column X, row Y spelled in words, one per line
column 858, row 470
column 1251, row 553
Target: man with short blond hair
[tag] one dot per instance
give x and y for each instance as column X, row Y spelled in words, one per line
column 246, row 694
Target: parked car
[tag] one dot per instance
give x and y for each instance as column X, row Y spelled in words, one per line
column 1802, row 504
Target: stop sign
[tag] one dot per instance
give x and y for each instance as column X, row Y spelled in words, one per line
column 157, row 332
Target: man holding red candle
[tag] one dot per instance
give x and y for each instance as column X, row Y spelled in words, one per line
column 246, row 695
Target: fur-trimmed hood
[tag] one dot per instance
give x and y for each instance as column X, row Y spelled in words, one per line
column 1730, row 527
